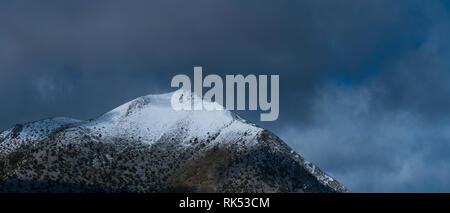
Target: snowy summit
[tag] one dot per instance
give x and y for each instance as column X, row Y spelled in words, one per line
column 146, row 146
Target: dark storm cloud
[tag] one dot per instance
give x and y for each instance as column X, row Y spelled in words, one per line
column 82, row 58
column 391, row 132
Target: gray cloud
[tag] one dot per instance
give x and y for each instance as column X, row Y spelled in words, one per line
column 390, row 134
column 362, row 82
column 371, row 150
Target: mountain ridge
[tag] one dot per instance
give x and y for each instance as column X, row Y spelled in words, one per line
column 146, row 146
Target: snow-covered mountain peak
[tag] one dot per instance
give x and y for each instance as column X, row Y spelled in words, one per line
column 149, row 117
column 147, row 146
column 158, row 102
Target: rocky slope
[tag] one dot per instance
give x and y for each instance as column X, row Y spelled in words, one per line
column 146, row 146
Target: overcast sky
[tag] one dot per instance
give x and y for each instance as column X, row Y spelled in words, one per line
column 364, row 85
